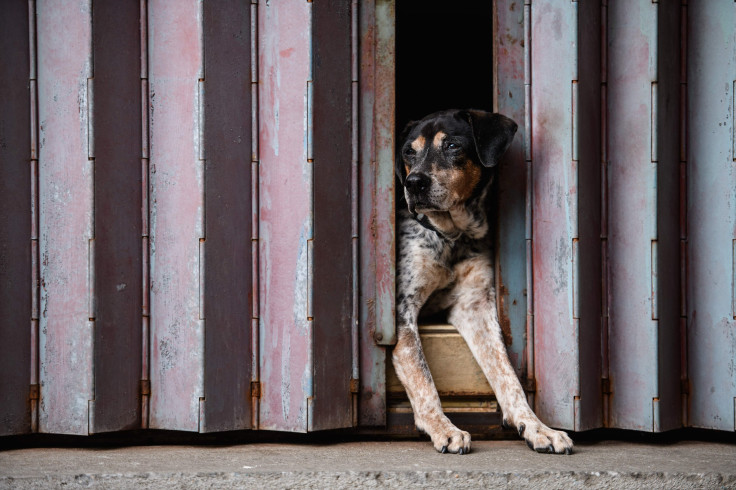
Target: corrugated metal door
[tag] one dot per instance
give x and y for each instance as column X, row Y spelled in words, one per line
column 180, row 239
column 710, row 357
column 628, row 139
column 197, row 214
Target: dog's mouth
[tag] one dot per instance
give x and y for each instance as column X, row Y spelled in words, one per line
column 419, row 204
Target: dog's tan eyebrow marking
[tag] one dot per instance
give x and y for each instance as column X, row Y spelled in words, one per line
column 438, row 138
column 418, row 144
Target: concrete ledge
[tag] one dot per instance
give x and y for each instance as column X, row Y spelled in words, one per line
column 379, row 464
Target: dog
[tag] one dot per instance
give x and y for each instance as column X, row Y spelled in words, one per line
column 446, row 163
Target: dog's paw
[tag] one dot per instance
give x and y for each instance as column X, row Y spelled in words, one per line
column 450, row 439
column 545, row 440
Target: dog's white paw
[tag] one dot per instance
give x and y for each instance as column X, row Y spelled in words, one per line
column 545, row 440
column 447, row 438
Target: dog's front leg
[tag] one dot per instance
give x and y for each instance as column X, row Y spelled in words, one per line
column 411, row 368
column 474, row 315
column 418, row 277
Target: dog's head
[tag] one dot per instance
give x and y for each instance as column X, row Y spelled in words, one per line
column 447, row 157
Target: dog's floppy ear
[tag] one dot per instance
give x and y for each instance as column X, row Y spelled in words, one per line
column 399, row 167
column 493, row 134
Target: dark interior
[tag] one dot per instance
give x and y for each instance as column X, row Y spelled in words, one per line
column 443, row 57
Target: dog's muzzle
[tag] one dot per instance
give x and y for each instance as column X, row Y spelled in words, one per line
column 417, row 186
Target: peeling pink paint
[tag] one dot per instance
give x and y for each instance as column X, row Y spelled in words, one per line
column 285, row 215
column 176, row 221
column 66, row 216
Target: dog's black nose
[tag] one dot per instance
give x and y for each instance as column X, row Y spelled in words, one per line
column 416, row 183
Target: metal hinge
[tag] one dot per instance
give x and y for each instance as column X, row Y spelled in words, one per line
column 606, row 386
column 34, row 392
column 685, row 386
column 354, row 385
column 530, row 385
column 145, row 387
column 255, row 389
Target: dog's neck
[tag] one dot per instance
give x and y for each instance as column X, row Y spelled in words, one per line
column 467, row 219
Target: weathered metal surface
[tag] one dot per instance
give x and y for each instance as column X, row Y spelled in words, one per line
column 227, row 284
column 15, row 221
column 255, row 211
column 587, row 266
column 376, row 207
column 643, row 229
column 384, row 136
column 555, row 207
column 285, row 213
column 66, row 216
column 145, row 227
column 511, row 255
column 711, row 177
column 117, row 220
column 93, row 243
column 332, row 276
column 668, row 216
column 177, row 214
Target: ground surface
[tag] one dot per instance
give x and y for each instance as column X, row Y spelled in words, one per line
column 383, row 464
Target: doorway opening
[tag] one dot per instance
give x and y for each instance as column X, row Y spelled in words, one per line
column 444, row 60
column 444, row 57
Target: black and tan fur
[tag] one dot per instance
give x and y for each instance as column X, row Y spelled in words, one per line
column 445, row 164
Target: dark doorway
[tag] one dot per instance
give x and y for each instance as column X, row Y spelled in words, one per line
column 444, row 60
column 443, row 57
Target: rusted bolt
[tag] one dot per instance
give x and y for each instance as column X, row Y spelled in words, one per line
column 378, row 336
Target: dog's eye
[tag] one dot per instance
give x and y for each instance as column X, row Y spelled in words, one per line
column 452, row 146
column 410, row 152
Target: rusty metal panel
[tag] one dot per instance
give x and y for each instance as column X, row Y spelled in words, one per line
column 511, row 250
column 15, row 220
column 643, row 185
column 332, row 275
column 66, row 242
column 116, row 117
column 228, row 295
column 285, row 211
column 384, row 128
column 711, row 178
column 376, row 206
column 176, row 214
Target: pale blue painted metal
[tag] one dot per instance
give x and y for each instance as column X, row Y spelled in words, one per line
column 555, row 210
column 632, row 177
column 711, row 213
column 565, row 198
column 642, row 183
column 509, row 100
